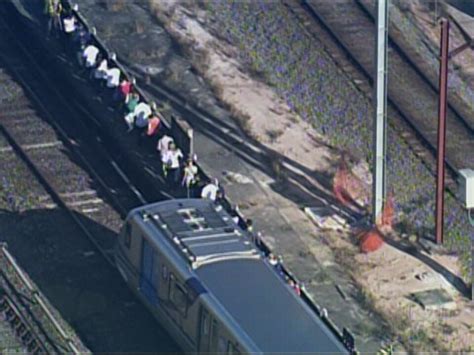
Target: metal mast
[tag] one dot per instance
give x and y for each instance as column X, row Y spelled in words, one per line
column 443, row 100
column 380, row 98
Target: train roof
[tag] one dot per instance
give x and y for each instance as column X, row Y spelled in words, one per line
column 202, row 231
column 267, row 309
column 232, row 270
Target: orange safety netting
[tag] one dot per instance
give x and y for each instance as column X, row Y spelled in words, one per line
column 388, row 213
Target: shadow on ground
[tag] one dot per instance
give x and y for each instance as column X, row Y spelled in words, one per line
column 87, row 291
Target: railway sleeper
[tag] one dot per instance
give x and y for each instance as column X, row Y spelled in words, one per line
column 26, row 338
column 3, row 303
column 15, row 320
column 34, row 348
column 9, row 314
column 20, row 329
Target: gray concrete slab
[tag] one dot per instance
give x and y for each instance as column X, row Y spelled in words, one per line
column 434, row 299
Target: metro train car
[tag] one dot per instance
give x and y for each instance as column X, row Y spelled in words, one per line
column 203, row 278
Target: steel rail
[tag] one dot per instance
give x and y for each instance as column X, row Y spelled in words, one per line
column 54, row 195
column 39, row 299
column 30, row 338
column 49, row 188
column 423, row 141
column 422, row 75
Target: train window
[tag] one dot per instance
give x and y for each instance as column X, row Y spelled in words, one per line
column 205, row 324
column 178, row 297
column 215, row 331
column 128, row 235
column 164, row 272
column 221, row 345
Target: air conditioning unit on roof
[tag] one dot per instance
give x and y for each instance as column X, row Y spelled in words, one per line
column 466, row 187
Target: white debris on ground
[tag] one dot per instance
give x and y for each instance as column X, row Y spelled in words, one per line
column 237, row 177
column 326, row 219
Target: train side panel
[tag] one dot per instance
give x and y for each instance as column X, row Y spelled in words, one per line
column 147, row 272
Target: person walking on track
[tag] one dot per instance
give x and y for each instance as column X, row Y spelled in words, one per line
column 53, row 9
column 173, row 158
column 190, row 177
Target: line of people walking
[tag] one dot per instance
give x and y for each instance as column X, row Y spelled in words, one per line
column 179, row 170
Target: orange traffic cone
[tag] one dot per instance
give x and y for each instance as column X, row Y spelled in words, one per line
column 371, row 241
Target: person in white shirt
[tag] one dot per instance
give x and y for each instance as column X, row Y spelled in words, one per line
column 190, row 177
column 172, row 160
column 163, row 145
column 210, row 190
column 90, row 55
column 101, row 70
column 113, row 78
column 272, row 259
column 69, row 24
column 141, row 113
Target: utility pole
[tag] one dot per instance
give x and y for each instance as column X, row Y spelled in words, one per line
column 380, row 119
column 445, row 55
column 442, row 106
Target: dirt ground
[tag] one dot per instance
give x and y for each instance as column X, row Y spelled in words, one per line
column 388, row 275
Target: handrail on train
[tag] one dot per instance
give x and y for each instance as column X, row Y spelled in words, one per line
column 345, row 336
column 38, row 298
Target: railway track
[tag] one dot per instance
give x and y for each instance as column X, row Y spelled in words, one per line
column 420, row 137
column 68, row 186
column 10, row 313
column 78, row 175
column 31, row 318
column 66, row 156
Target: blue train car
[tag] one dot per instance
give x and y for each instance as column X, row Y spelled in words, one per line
column 205, row 281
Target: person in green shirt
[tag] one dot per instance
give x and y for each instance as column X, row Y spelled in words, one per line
column 131, row 104
column 48, row 7
column 53, row 9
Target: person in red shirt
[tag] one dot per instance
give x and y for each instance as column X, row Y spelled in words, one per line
column 124, row 89
column 295, row 287
column 153, row 125
column 154, row 121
